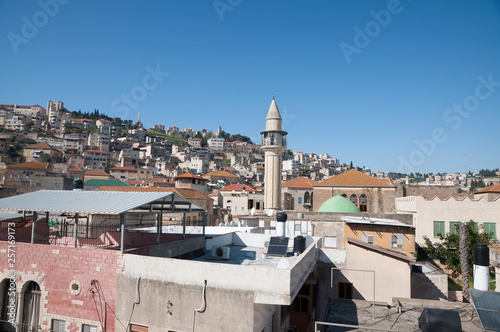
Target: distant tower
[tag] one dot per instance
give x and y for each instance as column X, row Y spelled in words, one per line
column 273, row 145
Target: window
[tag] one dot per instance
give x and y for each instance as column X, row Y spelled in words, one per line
column 490, row 227
column 453, row 227
column 31, row 306
column 397, row 241
column 438, row 228
column 58, row 325
column 368, row 238
column 89, row 328
column 307, row 198
column 138, row 328
column 363, row 203
column 345, row 290
column 354, row 199
column 330, row 242
column 299, row 200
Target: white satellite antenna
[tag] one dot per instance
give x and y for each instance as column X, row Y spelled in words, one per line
column 252, row 211
column 269, row 212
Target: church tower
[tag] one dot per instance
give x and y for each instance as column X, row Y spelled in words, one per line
column 273, row 145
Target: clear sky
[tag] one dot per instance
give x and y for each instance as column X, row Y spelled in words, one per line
column 393, row 85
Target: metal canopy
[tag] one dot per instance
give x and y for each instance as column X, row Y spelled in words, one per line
column 97, row 202
column 487, row 306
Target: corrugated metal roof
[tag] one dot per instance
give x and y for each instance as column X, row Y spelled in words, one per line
column 374, row 221
column 91, row 202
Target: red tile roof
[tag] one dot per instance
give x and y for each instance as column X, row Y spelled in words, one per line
column 134, row 182
column 224, row 174
column 96, row 173
column 43, row 146
column 301, row 182
column 189, row 176
column 31, row 164
column 76, row 169
column 355, row 178
column 238, row 187
column 95, row 151
column 158, row 180
column 494, row 189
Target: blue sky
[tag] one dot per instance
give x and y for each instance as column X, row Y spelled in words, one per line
column 408, row 85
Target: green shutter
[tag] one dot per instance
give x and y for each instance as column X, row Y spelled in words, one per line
column 453, row 228
column 438, row 228
column 490, row 227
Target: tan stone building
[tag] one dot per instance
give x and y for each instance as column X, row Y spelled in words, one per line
column 225, row 176
column 191, row 181
column 369, row 194
column 32, row 152
column 298, row 194
column 490, row 193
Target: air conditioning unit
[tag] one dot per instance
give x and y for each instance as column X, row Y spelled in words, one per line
column 220, row 252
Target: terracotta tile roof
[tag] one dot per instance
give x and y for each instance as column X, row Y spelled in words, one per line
column 301, row 182
column 158, row 180
column 95, row 151
column 221, row 173
column 238, row 187
column 189, row 176
column 76, row 169
column 134, row 182
column 230, row 169
column 118, row 168
column 31, row 164
column 494, row 189
column 215, row 193
column 184, row 192
column 96, row 173
column 43, row 146
column 355, row 178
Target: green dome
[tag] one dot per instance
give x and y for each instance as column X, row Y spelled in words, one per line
column 339, row 204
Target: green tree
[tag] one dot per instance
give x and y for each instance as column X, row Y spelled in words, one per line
column 447, row 248
column 350, row 166
column 44, row 157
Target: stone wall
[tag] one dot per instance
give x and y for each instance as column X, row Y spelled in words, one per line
column 380, row 200
column 56, row 269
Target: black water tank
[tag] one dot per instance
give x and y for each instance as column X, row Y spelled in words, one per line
column 78, row 184
column 299, row 244
column 281, row 216
column 439, row 320
column 481, row 254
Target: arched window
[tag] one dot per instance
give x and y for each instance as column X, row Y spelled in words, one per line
column 312, row 198
column 344, row 195
column 354, row 199
column 307, row 198
column 363, row 203
column 31, row 307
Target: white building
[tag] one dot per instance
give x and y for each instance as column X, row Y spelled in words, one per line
column 216, row 144
column 434, row 216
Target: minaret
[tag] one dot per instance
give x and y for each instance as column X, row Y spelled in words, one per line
column 273, row 145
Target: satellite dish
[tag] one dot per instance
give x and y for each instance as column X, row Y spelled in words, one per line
column 269, row 212
column 252, row 211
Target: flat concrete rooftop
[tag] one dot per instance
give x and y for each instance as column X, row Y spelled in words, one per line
column 240, row 255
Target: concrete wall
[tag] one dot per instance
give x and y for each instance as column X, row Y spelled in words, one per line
column 429, row 286
column 392, row 276
column 330, row 229
column 428, row 192
column 54, row 269
column 425, row 212
column 170, row 306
